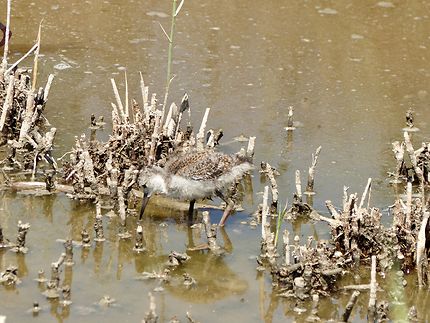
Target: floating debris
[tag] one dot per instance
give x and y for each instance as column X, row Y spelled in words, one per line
column 177, row 258
column 328, row 11
column 106, row 301
column 62, row 66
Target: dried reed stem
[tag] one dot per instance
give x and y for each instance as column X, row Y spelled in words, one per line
column 31, row 50
column 7, row 102
column 350, row 306
column 298, row 185
column 268, row 169
column 413, row 157
column 48, row 87
column 366, row 190
column 251, row 147
column 264, row 212
column 311, row 173
column 126, row 94
column 36, row 58
column 6, row 43
column 201, row 134
column 118, row 101
column 408, row 206
column 286, row 239
column 421, row 258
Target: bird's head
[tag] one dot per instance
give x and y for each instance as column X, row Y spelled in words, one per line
column 153, row 181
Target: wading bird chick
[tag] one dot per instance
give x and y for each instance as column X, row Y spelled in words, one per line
column 193, row 176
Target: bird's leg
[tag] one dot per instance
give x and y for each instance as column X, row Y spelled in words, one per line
column 191, row 211
column 229, row 207
column 144, row 203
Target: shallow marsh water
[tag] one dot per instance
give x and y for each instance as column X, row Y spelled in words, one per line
column 350, row 69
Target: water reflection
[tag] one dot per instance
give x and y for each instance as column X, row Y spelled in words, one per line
column 350, row 69
column 215, row 280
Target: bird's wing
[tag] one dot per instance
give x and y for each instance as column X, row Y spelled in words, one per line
column 201, row 166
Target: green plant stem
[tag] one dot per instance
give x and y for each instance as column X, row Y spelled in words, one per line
column 281, row 215
column 169, row 56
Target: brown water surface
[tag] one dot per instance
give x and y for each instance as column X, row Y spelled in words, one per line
column 349, row 68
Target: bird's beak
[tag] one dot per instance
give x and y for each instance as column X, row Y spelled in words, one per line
column 145, row 200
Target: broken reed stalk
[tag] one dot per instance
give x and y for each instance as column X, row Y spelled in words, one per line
column 98, row 224
column 55, row 271
column 408, row 211
column 399, row 154
column 251, row 147
column 126, row 95
column 286, row 240
column 144, row 91
column 363, row 197
column 6, row 44
column 298, row 185
column 413, row 158
column 28, row 113
column 421, row 257
column 48, row 87
column 36, row 58
column 264, row 212
column 154, row 138
column 290, row 123
column 185, row 104
column 311, row 173
column 31, row 50
column 118, row 101
column 350, row 306
column 7, row 102
column 201, row 134
column 268, row 170
column 372, row 295
column 122, row 209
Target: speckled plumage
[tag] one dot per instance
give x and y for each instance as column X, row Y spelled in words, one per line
column 202, row 165
column 195, row 175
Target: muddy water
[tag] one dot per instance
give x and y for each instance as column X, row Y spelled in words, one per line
column 350, row 69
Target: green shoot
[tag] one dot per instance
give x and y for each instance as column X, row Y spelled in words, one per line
column 281, row 216
column 175, row 12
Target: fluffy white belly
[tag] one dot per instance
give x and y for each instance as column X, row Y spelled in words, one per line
column 186, row 189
